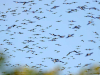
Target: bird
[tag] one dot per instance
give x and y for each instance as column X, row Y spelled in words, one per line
column 49, row 10
column 72, row 21
column 79, row 54
column 67, row 3
column 88, row 54
column 77, row 27
column 29, row 57
column 89, row 22
column 31, row 51
column 54, row 7
column 92, row 41
column 56, row 60
column 70, row 35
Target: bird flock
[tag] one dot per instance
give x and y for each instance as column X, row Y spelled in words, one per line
column 47, row 33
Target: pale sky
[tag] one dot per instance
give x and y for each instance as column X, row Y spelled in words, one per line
column 67, row 44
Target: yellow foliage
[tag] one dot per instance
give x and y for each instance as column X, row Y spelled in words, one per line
column 93, row 70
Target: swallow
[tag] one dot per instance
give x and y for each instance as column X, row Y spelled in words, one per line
column 49, row 10
column 92, row 41
column 31, row 51
column 63, row 57
column 90, row 16
column 4, row 40
column 75, row 51
column 31, row 30
column 74, row 2
column 47, row 4
column 44, row 17
column 33, row 3
column 12, row 38
column 29, row 57
column 29, row 41
column 20, row 33
column 33, row 11
column 23, row 7
column 10, row 27
column 42, row 37
column 37, row 17
column 67, row 3
column 82, row 7
column 72, row 21
column 31, row 48
column 78, row 46
column 23, row 28
column 52, row 34
column 22, row 50
column 36, row 34
column 40, row 12
column 52, row 40
column 1, row 44
column 13, row 10
column 86, row 64
column 79, row 54
column 9, row 43
column 73, row 9
column 96, row 33
column 21, row 2
column 70, row 35
column 30, row 37
column 38, row 25
column 89, row 22
column 98, row 17
column 39, row 47
column 69, row 11
column 26, row 47
column 88, row 54
column 95, row 1
column 13, row 25
column 61, row 36
column 68, row 53
column 77, row 66
column 59, row 21
column 24, row 23
column 31, row 21
column 4, row 16
column 58, row 44
column 2, row 20
column 89, row 49
column 77, row 27
column 94, row 8
column 42, row 40
column 13, row 13
column 56, row 60
column 24, row 10
column 54, row 7
column 40, row 64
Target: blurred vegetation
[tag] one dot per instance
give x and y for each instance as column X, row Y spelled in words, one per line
column 94, row 70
